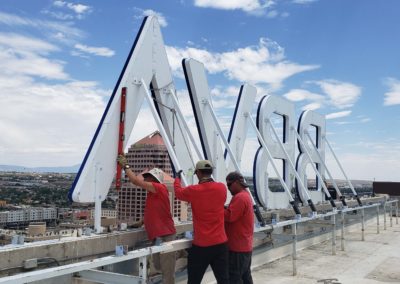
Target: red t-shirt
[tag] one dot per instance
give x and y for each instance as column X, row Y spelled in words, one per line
column 207, row 201
column 239, row 223
column 157, row 213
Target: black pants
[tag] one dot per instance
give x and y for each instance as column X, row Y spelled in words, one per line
column 200, row 257
column 240, row 268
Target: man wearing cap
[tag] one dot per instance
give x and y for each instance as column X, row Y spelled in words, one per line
column 209, row 246
column 158, row 221
column 239, row 226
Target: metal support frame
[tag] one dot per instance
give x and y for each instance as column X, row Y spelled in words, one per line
column 185, row 125
column 341, row 197
column 397, row 212
column 271, row 159
column 233, row 159
column 221, row 134
column 343, row 172
column 160, row 126
column 299, row 181
column 99, row 276
column 391, row 214
column 52, row 272
column 315, row 169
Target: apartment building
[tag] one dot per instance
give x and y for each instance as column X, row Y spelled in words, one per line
column 147, row 153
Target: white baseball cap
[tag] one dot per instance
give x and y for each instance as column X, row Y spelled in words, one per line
column 156, row 173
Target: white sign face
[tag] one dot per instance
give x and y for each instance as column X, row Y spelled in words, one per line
column 268, row 106
column 240, row 124
column 209, row 128
column 146, row 61
column 310, row 119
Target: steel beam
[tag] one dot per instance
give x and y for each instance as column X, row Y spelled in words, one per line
column 105, row 277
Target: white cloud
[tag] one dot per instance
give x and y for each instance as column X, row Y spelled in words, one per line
column 143, row 13
column 226, row 92
column 304, row 1
column 338, row 114
column 59, row 15
column 285, row 14
column 39, row 121
column 384, row 156
column 312, row 106
column 25, row 44
column 21, row 55
column 161, row 19
column 363, row 119
column 54, row 28
column 264, row 63
column 99, row 51
column 297, row 95
column 341, row 94
column 245, row 5
column 77, row 8
column 224, row 97
column 268, row 8
column 272, row 14
column 392, row 97
column 43, row 123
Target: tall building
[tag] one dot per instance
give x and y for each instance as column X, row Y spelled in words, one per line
column 145, row 154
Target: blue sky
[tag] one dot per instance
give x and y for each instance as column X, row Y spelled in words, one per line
column 60, row 60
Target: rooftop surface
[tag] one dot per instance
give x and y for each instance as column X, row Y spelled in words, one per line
column 375, row 260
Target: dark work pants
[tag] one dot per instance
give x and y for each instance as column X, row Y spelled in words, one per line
column 200, row 257
column 240, row 268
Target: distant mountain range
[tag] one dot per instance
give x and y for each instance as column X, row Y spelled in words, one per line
column 12, row 168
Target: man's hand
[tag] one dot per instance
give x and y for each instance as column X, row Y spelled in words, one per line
column 122, row 161
column 179, row 174
column 136, row 224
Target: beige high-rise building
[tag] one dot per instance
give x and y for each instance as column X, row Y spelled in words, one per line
column 147, row 153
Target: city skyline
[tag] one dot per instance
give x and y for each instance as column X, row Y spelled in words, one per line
column 61, row 59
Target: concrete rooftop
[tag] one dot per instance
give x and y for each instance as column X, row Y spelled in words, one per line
column 373, row 261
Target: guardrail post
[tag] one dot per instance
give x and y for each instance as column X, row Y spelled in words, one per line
column 384, row 215
column 342, row 233
column 391, row 214
column 333, row 218
column 362, row 225
column 377, row 219
column 294, row 252
column 143, row 268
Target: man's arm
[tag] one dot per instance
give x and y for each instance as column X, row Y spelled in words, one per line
column 235, row 210
column 181, row 193
column 134, row 178
column 139, row 182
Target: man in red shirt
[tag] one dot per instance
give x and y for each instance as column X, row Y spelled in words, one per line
column 239, row 226
column 209, row 246
column 158, row 221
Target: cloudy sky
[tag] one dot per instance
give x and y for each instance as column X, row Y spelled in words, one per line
column 60, row 60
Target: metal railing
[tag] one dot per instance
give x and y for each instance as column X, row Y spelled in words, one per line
column 87, row 269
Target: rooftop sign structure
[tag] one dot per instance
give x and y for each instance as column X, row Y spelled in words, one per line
column 147, row 76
